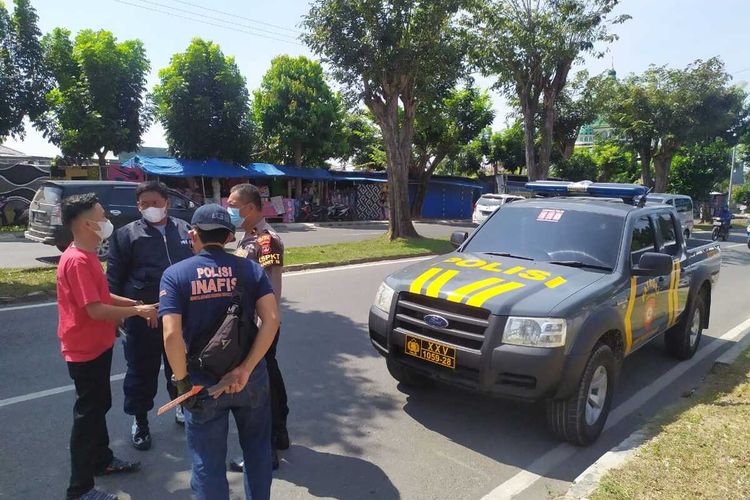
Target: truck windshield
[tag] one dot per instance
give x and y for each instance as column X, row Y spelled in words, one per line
column 565, row 237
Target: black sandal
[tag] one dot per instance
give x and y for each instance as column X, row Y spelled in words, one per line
column 117, row 466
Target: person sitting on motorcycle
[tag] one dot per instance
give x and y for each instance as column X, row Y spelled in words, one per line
column 725, row 215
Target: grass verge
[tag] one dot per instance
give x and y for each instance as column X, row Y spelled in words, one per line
column 702, row 449
column 12, row 229
column 21, row 282
column 708, row 226
column 343, row 253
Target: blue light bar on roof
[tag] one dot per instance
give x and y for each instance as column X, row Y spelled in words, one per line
column 599, row 189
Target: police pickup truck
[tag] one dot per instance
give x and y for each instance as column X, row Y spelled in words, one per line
column 546, row 298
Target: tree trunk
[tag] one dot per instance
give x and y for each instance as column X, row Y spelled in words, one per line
column 662, row 164
column 102, row 155
column 529, row 131
column 646, row 177
column 545, row 149
column 298, row 154
column 423, row 182
column 568, row 150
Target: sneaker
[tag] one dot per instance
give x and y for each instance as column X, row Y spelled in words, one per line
column 179, row 416
column 117, row 466
column 281, row 440
column 95, row 494
column 141, row 435
column 237, row 464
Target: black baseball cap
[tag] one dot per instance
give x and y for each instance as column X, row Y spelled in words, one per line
column 212, row 216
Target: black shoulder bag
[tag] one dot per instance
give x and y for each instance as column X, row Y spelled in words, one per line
column 223, row 347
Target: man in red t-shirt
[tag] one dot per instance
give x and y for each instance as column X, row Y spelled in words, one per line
column 88, row 315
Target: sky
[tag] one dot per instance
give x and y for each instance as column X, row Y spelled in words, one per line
column 661, row 32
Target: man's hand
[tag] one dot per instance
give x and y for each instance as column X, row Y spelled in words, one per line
column 184, row 386
column 232, row 382
column 149, row 313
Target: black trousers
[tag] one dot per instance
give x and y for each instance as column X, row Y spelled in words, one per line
column 279, row 408
column 89, row 439
column 144, row 353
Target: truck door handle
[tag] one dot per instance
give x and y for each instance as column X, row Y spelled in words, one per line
column 115, row 212
column 661, row 279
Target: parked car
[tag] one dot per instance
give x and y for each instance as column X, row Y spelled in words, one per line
column 117, row 198
column 488, row 203
column 546, row 299
column 683, row 204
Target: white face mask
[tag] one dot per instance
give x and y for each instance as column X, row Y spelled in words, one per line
column 154, row 214
column 105, row 229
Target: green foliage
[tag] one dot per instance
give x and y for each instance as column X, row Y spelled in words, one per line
column 364, row 149
column 576, row 106
column 699, row 168
column 507, row 148
column 299, row 117
column 22, row 77
column 581, row 166
column 204, row 106
column 530, row 47
column 615, row 163
column 741, row 194
column 96, row 103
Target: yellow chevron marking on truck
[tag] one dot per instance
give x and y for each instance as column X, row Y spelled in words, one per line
column 417, row 285
column 434, row 289
column 674, row 288
column 478, row 299
column 629, row 315
column 460, row 293
column 555, row 282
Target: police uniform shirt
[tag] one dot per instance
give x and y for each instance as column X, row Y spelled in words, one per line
column 264, row 246
column 200, row 288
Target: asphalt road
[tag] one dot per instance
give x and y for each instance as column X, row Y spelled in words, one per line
column 18, row 252
column 355, row 432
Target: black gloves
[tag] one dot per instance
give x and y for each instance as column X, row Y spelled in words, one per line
column 184, row 386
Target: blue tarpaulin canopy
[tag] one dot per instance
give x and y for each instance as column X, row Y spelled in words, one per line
column 175, row 167
column 264, row 170
column 311, row 174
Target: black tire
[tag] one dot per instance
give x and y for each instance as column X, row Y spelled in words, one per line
column 686, row 234
column 568, row 418
column 715, row 234
column 683, row 339
column 406, row 375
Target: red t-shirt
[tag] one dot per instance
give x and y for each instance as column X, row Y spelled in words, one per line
column 81, row 281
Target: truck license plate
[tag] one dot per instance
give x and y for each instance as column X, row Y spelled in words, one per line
column 431, row 351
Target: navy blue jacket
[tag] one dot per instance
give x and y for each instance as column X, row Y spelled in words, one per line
column 139, row 254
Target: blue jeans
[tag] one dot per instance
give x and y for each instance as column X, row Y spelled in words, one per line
column 207, row 432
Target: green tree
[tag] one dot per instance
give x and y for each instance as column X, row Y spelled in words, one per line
column 204, row 106
column 442, row 129
column 615, row 163
column 576, row 106
column 665, row 109
column 741, row 194
column 581, row 166
column 530, row 47
column 22, row 76
column 508, row 149
column 394, row 55
column 364, row 150
column 698, row 168
column 299, row 117
column 96, row 103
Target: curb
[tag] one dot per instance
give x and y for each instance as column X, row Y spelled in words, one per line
column 731, row 355
column 10, row 236
column 589, row 479
column 361, row 223
column 36, row 297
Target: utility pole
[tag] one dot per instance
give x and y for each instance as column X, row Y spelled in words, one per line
column 731, row 175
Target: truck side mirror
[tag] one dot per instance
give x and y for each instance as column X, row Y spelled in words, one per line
column 458, row 238
column 653, row 264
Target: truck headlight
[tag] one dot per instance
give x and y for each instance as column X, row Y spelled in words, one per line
column 535, row 332
column 384, row 298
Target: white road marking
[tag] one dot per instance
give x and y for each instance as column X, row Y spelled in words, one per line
column 28, row 306
column 558, row 455
column 48, row 392
column 736, row 245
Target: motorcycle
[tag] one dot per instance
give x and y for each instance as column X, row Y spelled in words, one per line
column 748, row 236
column 338, row 212
column 720, row 229
column 311, row 213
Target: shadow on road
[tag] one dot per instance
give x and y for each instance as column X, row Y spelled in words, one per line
column 335, row 476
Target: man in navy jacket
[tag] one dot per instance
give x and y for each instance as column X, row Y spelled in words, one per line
column 139, row 253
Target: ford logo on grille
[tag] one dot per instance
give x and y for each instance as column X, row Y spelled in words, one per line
column 436, row 321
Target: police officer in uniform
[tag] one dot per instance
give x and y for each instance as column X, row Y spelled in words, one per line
column 139, row 254
column 193, row 295
column 262, row 245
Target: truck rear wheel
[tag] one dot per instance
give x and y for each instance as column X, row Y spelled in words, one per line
column 682, row 340
column 580, row 419
column 406, row 375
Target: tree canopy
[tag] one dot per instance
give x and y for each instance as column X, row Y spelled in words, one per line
column 96, row 103
column 299, row 117
column 203, row 103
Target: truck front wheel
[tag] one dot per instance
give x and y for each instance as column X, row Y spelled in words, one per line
column 406, row 375
column 580, row 419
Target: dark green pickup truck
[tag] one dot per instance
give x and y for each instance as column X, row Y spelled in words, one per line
column 546, row 298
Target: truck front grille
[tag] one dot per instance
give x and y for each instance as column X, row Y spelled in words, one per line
column 466, row 325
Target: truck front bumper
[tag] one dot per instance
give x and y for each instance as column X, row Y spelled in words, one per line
column 501, row 370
